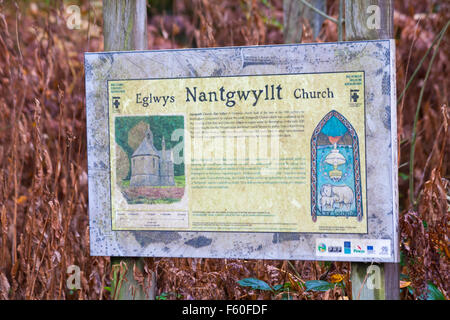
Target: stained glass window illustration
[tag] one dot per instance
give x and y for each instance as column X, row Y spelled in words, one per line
column 335, row 169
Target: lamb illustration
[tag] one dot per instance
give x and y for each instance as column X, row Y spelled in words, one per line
column 326, row 203
column 340, row 197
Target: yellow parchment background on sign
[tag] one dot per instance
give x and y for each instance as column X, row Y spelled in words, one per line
column 263, row 207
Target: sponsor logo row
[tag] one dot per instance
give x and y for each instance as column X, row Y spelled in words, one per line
column 349, row 248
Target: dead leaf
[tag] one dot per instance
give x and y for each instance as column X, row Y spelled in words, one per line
column 337, row 277
column 21, row 199
column 404, row 284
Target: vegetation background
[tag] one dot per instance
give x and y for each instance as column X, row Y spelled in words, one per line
column 43, row 167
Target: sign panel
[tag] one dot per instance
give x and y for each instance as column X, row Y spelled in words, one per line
column 255, row 164
column 255, row 152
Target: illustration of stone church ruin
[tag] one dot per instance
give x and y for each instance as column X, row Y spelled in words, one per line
column 151, row 167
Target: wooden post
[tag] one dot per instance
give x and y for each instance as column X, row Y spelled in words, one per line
column 292, row 21
column 125, row 25
column 371, row 20
column 125, row 28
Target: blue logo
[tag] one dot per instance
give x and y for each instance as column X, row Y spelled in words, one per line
column 347, row 247
column 370, row 250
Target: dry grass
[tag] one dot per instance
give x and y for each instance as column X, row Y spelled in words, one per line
column 43, row 178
